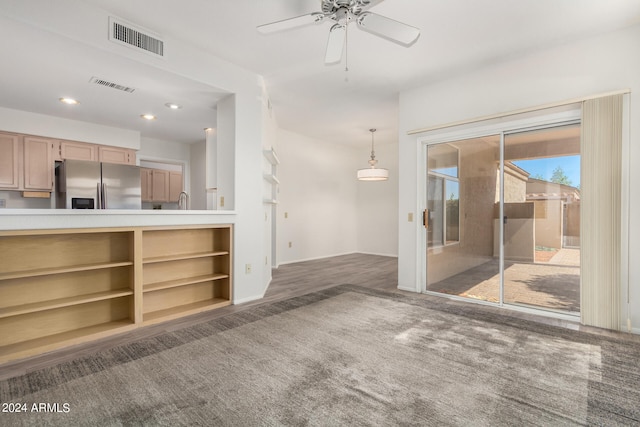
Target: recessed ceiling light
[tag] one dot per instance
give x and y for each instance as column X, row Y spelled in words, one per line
column 69, row 101
column 148, row 116
column 173, row 106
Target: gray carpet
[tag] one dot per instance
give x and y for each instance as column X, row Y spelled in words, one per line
column 345, row 356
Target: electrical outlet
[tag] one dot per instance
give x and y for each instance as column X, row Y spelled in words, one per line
column 410, row 217
column 222, row 201
column 286, row 214
column 3, row 203
column 289, row 244
column 247, row 268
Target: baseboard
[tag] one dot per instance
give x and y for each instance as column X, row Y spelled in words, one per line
column 249, row 299
column 332, row 256
column 377, row 254
column 315, row 258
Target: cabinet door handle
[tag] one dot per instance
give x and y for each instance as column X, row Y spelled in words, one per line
column 425, row 218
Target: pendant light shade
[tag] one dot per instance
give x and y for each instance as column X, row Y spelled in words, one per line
column 372, row 173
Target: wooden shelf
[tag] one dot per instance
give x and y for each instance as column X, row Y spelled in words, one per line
column 51, row 342
column 271, row 157
column 62, row 302
column 179, row 257
column 182, row 282
column 183, row 310
column 122, row 278
column 62, row 270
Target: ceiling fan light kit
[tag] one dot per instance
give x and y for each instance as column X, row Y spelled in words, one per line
column 341, row 13
column 372, row 173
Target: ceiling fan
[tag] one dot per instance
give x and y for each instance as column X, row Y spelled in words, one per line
column 341, row 13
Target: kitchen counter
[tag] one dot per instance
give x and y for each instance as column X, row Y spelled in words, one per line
column 35, row 219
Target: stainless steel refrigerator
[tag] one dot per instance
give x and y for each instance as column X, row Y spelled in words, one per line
column 91, row 185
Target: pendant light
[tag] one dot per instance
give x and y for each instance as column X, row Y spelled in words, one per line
column 372, row 173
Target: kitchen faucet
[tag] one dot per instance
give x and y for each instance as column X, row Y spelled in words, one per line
column 183, row 201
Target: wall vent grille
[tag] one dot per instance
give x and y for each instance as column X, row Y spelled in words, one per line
column 102, row 82
column 135, row 37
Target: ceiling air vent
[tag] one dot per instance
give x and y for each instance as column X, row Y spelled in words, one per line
column 124, row 33
column 102, row 82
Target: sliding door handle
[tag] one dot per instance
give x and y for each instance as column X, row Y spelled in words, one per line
column 425, row 218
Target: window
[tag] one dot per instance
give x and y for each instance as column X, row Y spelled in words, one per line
column 443, row 195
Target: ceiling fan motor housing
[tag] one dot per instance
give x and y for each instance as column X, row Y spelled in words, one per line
column 329, row 7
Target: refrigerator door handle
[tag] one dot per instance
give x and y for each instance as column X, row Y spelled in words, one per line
column 99, row 204
column 104, row 196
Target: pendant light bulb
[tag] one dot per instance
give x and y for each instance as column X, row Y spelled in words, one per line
column 372, row 173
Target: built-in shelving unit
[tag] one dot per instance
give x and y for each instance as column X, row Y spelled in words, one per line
column 185, row 271
column 63, row 287
column 271, row 176
column 272, row 157
column 58, row 288
column 272, row 179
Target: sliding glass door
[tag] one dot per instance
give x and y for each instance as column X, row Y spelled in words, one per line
column 462, row 191
column 502, row 218
column 542, row 218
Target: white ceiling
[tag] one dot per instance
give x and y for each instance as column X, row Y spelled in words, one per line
column 308, row 97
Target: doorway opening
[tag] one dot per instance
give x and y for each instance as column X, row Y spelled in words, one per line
column 502, row 218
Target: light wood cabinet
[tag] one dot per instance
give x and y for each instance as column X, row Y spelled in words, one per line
column 175, row 186
column 145, row 184
column 9, row 160
column 116, row 155
column 64, row 287
column 26, row 162
column 159, row 185
column 38, row 163
column 71, row 150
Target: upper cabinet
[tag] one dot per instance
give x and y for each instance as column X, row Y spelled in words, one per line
column 159, row 185
column 75, row 150
column 78, row 151
column 175, row 186
column 9, row 160
column 116, row 155
column 26, row 162
column 38, row 163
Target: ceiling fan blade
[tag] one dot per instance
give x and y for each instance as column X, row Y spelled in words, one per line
column 287, row 24
column 388, row 28
column 335, row 45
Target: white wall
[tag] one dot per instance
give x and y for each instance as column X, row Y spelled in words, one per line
column 377, row 204
column 589, row 67
column 198, row 189
column 74, row 130
column 318, row 193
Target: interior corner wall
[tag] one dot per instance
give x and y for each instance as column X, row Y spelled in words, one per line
column 226, row 153
column 588, row 67
column 378, row 205
column 317, row 209
column 198, row 188
column 270, row 189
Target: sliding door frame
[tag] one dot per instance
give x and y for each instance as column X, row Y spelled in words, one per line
column 497, row 127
